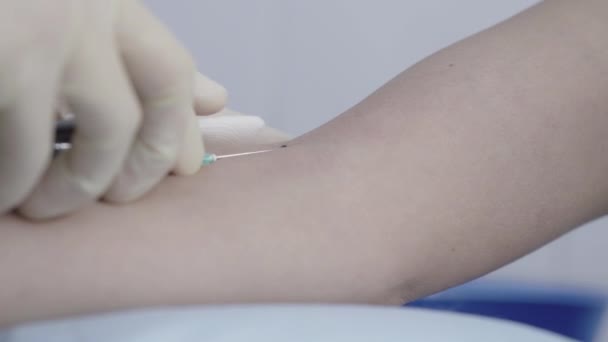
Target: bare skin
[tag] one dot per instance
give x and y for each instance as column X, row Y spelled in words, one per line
column 472, row 158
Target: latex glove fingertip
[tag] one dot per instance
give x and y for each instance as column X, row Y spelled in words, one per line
column 209, row 96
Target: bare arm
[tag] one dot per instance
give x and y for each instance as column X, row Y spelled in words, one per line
column 467, row 161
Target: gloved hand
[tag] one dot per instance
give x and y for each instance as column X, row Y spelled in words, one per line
column 128, row 83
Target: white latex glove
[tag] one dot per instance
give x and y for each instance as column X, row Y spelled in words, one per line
column 129, row 84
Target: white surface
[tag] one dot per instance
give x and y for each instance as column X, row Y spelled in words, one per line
column 286, row 323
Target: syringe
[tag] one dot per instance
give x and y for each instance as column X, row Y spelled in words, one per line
column 64, row 131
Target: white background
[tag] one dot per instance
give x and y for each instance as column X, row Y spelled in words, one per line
column 300, row 63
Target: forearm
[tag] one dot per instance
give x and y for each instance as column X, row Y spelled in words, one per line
column 465, row 162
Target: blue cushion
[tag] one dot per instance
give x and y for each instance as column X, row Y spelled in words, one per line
column 571, row 312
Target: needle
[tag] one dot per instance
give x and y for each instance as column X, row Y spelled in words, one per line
column 208, row 159
column 65, row 129
column 211, row 158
